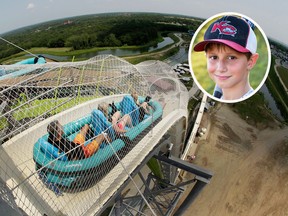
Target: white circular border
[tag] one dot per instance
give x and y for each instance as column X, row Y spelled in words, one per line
column 191, row 48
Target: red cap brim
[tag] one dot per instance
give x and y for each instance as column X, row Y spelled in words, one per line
column 201, row 46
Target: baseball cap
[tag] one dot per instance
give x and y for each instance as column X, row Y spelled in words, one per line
column 232, row 31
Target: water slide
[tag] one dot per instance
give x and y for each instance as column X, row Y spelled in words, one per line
column 100, row 79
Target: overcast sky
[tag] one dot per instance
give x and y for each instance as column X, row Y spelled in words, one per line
column 271, row 16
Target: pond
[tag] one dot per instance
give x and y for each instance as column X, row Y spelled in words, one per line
column 271, row 102
column 116, row 52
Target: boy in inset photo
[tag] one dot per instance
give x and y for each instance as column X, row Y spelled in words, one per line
column 230, row 46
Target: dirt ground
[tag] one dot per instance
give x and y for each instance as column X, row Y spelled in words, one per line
column 250, row 168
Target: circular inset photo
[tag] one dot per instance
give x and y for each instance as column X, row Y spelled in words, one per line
column 229, row 57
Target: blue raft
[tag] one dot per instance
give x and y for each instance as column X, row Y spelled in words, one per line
column 71, row 176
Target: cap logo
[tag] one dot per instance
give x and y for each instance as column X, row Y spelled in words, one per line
column 224, row 28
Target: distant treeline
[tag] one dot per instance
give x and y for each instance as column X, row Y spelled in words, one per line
column 102, row 30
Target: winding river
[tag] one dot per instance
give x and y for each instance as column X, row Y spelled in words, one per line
column 116, row 52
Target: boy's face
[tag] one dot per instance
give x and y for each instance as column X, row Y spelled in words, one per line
column 228, row 68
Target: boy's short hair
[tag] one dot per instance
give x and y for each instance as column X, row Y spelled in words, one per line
column 103, row 107
column 232, row 31
column 220, row 46
column 53, row 128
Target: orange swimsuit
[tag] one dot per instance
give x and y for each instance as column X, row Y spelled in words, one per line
column 89, row 149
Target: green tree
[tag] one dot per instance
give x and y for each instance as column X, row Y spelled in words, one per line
column 111, row 40
column 56, row 42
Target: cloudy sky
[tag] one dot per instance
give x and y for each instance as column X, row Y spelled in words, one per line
column 270, row 16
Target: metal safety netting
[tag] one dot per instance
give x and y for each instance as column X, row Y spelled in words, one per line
column 71, row 133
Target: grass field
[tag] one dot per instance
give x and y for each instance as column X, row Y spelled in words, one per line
column 256, row 115
column 44, row 106
column 67, row 52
